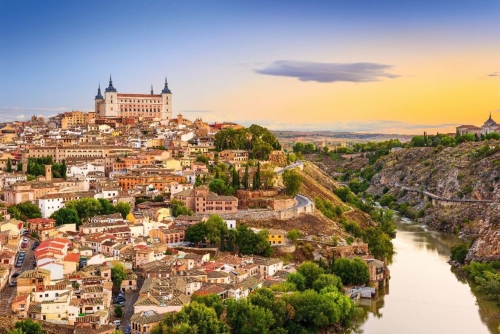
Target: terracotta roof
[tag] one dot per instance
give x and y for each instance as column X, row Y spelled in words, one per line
column 72, row 257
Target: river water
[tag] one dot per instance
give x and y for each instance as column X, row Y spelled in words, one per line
column 424, row 295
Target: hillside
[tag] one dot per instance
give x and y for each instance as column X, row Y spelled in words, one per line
column 468, row 171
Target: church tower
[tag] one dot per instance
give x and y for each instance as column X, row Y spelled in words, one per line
column 166, row 110
column 111, row 100
column 98, row 100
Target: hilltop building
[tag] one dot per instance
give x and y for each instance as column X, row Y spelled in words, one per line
column 488, row 127
column 152, row 106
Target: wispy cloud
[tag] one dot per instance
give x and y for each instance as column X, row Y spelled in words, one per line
column 328, row 72
column 494, row 74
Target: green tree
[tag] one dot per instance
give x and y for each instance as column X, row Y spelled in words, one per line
column 459, row 252
column 196, row 233
column 123, row 208
column 298, row 280
column 244, row 317
column 379, row 243
column 212, row 301
column 64, row 169
column 9, row 165
column 15, row 331
column 86, row 208
column 194, row 318
column 217, row 186
column 293, row 235
column 118, row 274
column 106, row 207
column 178, row 208
column 118, row 311
column 244, row 180
column 29, row 327
column 25, row 211
column 292, row 181
column 327, row 281
column 236, row 179
column 351, row 271
column 66, row 216
column 19, row 166
column 311, row 272
column 216, row 229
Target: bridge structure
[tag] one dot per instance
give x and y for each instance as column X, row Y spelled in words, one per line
column 444, row 200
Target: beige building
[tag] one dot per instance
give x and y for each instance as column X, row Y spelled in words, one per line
column 149, row 106
column 201, row 200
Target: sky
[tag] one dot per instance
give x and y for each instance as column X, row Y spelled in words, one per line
column 365, row 66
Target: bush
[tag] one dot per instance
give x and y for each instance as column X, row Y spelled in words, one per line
column 459, row 252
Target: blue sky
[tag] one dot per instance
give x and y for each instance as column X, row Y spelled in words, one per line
column 255, row 61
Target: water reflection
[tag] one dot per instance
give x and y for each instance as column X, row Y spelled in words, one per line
column 426, row 296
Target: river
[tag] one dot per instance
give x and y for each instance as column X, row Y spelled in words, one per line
column 424, row 294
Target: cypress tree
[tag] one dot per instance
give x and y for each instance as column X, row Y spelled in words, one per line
column 236, row 180
column 63, row 169
column 9, row 166
column 244, row 181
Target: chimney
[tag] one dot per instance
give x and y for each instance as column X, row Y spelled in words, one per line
column 48, row 173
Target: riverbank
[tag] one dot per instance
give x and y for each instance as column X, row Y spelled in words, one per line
column 425, row 295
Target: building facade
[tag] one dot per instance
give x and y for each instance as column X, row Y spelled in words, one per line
column 151, row 106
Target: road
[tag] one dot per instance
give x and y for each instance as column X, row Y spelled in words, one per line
column 294, row 165
column 302, row 201
column 131, row 298
column 8, row 292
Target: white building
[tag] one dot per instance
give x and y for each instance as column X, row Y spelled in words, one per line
column 80, row 171
column 153, row 106
column 50, row 203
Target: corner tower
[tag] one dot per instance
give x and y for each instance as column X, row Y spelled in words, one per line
column 111, row 108
column 98, row 101
column 166, row 110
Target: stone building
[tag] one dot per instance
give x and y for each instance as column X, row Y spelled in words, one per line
column 151, row 106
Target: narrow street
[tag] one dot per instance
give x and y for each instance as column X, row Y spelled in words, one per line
column 131, row 298
column 8, row 292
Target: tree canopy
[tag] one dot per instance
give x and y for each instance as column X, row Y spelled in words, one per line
column 25, row 211
column 178, row 208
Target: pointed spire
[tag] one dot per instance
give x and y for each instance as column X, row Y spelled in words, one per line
column 152, row 89
column 99, row 95
column 165, row 89
column 490, row 114
column 110, row 87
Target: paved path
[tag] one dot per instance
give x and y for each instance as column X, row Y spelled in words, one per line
column 294, row 165
column 131, row 298
column 302, row 201
column 444, row 199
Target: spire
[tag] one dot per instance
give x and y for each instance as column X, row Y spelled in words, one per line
column 99, row 95
column 152, row 89
column 490, row 114
column 165, row 89
column 110, row 87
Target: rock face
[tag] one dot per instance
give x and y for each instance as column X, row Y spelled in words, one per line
column 486, row 246
column 468, row 171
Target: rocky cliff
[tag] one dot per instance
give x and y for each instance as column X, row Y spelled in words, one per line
column 470, row 171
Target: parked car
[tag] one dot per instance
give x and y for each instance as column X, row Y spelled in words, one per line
column 34, row 247
column 117, row 323
column 128, row 329
column 34, row 263
column 19, row 263
column 25, row 239
column 15, row 275
column 26, row 233
column 23, row 245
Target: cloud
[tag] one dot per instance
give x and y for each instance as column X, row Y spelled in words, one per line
column 328, row 72
column 20, row 117
column 494, row 74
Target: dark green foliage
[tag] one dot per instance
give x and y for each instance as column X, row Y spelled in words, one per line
column 311, row 272
column 86, row 208
column 387, row 200
column 178, row 208
column 24, row 211
column 29, row 327
column 219, row 187
column 202, row 159
column 260, row 141
column 327, row 208
column 379, row 243
column 351, row 271
column 118, row 274
column 236, row 180
column 196, row 233
column 487, row 278
column 459, row 252
column 194, row 318
column 304, row 148
column 19, row 166
column 245, row 181
column 66, row 216
column 123, row 208
column 211, row 301
column 9, row 166
column 118, row 311
column 358, row 187
column 292, row 181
